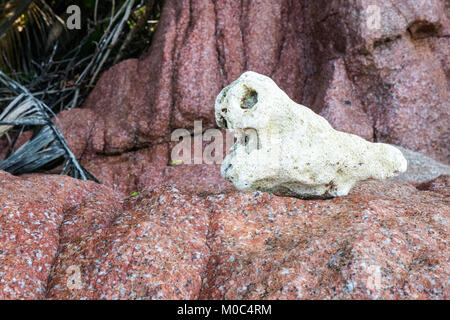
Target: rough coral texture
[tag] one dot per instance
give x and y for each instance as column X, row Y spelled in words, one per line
column 67, row 239
column 285, row 148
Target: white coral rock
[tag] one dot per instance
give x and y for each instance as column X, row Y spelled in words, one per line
column 285, row 148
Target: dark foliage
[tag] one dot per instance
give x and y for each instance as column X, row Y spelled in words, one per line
column 47, row 148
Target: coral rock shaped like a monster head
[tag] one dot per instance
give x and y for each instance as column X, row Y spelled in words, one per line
column 285, row 148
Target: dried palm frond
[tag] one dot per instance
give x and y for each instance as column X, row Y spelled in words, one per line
column 47, row 148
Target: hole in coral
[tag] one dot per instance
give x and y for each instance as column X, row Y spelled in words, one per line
column 221, row 119
column 222, row 122
column 249, row 139
column 249, row 99
column 246, row 140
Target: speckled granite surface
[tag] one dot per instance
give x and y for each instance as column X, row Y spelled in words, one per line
column 65, row 239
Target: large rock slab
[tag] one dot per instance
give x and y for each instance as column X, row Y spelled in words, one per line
column 385, row 81
column 373, row 244
column 395, row 55
column 67, row 239
column 32, row 211
column 154, row 247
